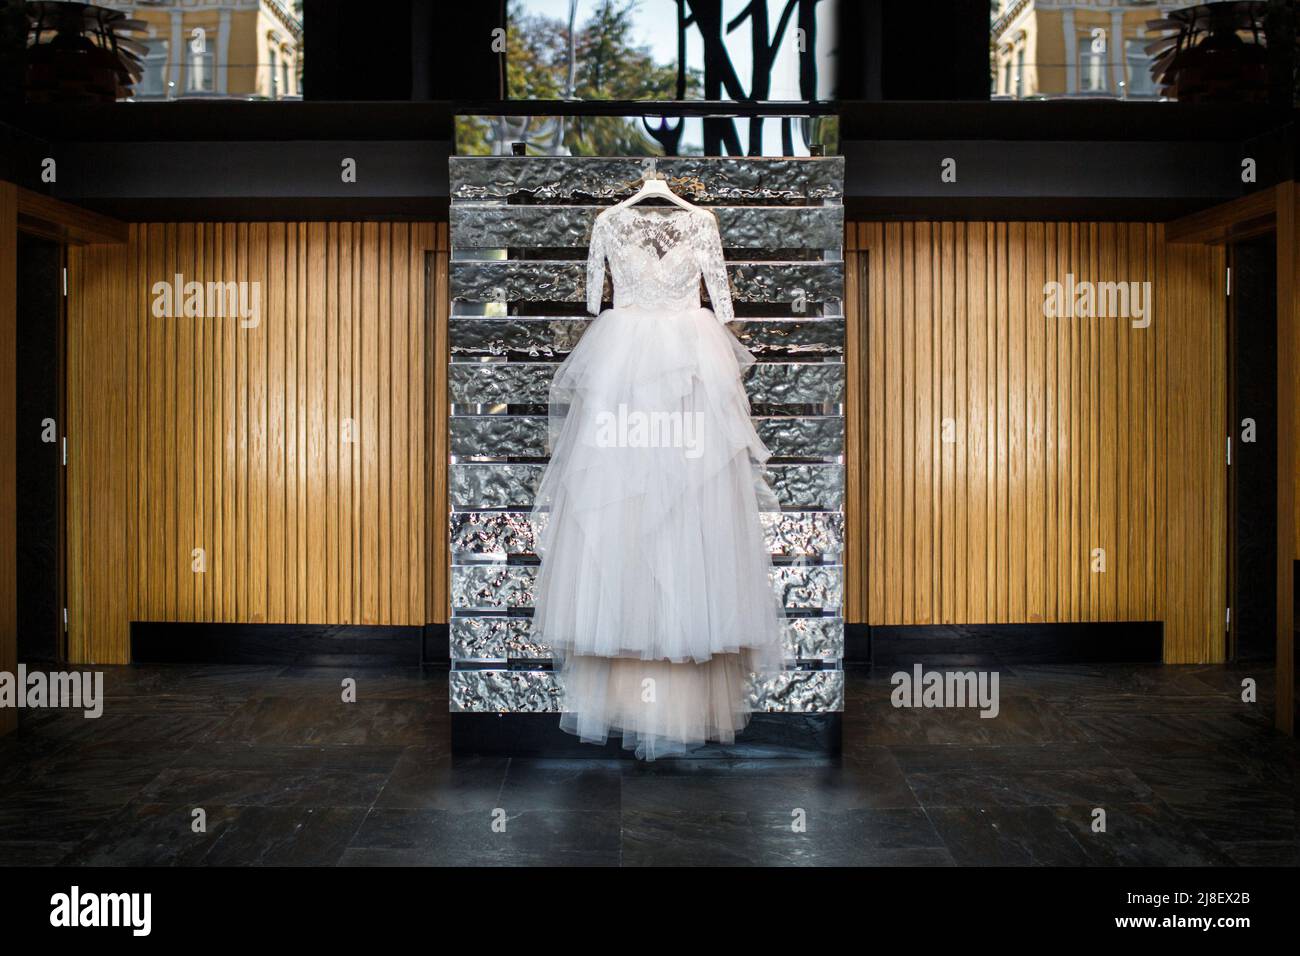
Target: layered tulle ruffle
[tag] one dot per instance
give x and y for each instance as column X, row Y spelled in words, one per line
column 654, row 568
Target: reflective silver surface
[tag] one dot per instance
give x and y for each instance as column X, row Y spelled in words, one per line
column 799, row 692
column 529, row 691
column 505, row 692
column 526, row 383
column 501, row 586
column 524, row 436
column 700, row 179
column 782, row 224
column 500, row 226
column 510, row 638
column 562, row 280
column 512, row 486
column 476, row 535
column 542, row 338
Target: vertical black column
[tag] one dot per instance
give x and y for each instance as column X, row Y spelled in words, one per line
column 1253, row 428
column 39, row 460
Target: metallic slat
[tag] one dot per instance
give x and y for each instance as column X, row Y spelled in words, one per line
column 810, row 587
column 812, row 487
column 495, row 639
column 495, row 485
column 512, row 486
column 526, row 383
column 501, row 586
column 804, row 533
column 476, row 535
column 813, row 337
column 510, row 639
column 700, row 179
column 549, row 280
column 505, row 692
column 524, row 436
column 538, row 691
column 799, row 692
column 497, row 226
column 814, row 638
column 553, row 338
column 488, row 533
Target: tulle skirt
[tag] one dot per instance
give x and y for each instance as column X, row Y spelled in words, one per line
column 654, row 590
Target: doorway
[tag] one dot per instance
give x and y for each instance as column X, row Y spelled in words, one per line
column 1252, row 449
column 40, row 469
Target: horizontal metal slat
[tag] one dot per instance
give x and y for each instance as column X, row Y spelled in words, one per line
column 488, row 639
column 554, row 280
column 528, row 383
column 543, row 338
column 524, row 436
column 538, row 691
column 503, row 485
column 499, row 587
column 477, row 535
column 499, row 226
column 698, row 178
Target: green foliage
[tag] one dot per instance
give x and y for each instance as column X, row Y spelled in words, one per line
column 608, row 65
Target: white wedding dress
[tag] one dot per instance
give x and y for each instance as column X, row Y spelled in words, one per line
column 654, row 591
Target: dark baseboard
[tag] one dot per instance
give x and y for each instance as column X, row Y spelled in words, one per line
column 979, row 644
column 539, row 735
column 435, row 644
column 857, row 643
column 316, row 645
column 411, row 645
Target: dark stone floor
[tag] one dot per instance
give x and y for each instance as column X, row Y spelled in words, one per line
column 1187, row 775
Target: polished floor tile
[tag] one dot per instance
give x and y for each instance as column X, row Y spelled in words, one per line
column 286, row 772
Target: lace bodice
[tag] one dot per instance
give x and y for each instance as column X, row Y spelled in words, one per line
column 657, row 257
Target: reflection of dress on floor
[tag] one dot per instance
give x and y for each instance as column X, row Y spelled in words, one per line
column 654, row 590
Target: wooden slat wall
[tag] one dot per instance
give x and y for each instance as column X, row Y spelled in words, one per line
column 103, row 491
column 196, row 433
column 1067, row 435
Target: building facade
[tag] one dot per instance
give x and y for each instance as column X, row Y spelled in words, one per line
column 1083, row 48
column 217, row 48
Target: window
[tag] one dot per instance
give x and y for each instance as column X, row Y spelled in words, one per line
column 1138, row 65
column 275, row 75
column 285, row 88
column 1020, row 72
column 660, row 50
column 153, row 83
column 1092, row 64
column 200, row 71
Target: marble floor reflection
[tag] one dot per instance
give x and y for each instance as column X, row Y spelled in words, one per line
column 1185, row 773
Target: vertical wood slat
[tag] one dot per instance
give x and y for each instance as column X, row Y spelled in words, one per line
column 1070, row 434
column 855, row 455
column 101, row 469
column 194, row 432
column 439, row 592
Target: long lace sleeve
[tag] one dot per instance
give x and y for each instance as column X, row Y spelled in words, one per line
column 714, row 269
column 596, row 266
